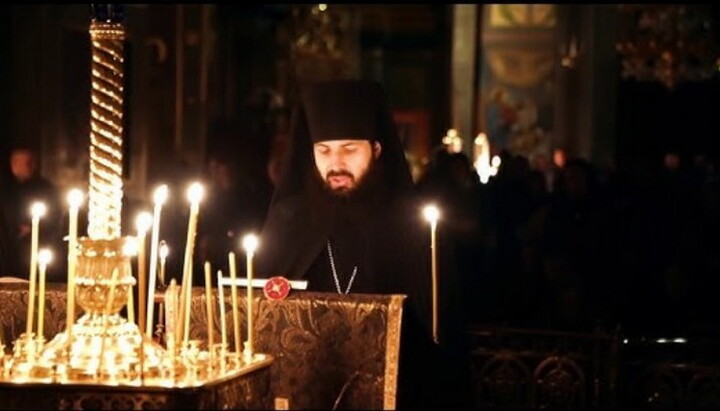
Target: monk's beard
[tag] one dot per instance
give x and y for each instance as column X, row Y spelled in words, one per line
column 362, row 188
column 343, row 191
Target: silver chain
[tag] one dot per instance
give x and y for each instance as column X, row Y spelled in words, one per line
column 334, row 272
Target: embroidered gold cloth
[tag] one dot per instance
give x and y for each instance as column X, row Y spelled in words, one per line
column 330, row 350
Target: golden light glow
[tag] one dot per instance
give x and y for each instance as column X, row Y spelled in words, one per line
column 163, row 250
column 161, row 194
column 484, row 166
column 44, row 257
column 452, row 141
column 250, row 243
column 38, row 209
column 143, row 221
column 195, row 192
column 75, row 198
column 431, row 213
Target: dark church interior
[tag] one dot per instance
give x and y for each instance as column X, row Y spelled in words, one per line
column 572, row 150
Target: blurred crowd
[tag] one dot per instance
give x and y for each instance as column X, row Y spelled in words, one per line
column 566, row 244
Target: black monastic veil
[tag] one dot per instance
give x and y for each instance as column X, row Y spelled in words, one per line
column 302, row 214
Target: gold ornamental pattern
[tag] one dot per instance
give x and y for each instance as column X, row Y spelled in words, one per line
column 106, row 128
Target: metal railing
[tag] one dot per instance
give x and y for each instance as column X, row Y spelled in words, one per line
column 532, row 368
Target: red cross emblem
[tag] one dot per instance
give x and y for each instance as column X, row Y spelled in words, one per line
column 276, row 288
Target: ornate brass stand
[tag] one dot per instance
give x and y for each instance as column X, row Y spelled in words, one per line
column 103, row 360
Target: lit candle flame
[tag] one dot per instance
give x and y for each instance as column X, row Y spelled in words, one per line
column 195, row 192
column 44, row 257
column 164, row 250
column 250, row 243
column 75, row 198
column 161, row 194
column 143, row 221
column 38, row 209
column 431, row 213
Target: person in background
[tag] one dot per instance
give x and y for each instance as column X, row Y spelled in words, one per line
column 24, row 187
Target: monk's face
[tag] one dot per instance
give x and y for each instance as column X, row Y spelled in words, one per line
column 343, row 164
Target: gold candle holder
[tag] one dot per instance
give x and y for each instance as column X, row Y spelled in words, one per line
column 101, row 322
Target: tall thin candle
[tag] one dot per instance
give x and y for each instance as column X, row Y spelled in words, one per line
column 250, row 243
column 142, row 223
column 160, row 196
column 130, row 248
column 432, row 214
column 233, row 290
column 37, row 210
column 44, row 257
column 221, row 302
column 195, row 194
column 208, row 305
column 163, row 250
column 187, row 302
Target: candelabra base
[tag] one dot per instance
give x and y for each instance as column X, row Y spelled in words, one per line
column 249, row 387
column 110, row 351
column 102, row 349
